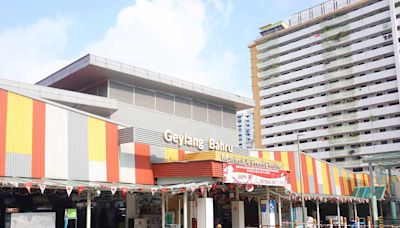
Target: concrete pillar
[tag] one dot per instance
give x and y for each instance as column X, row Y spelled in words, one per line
column 338, row 212
column 162, row 209
column 392, row 196
column 205, row 213
column 267, row 207
column 373, row 204
column 279, row 211
column 351, row 211
column 259, row 212
column 318, row 215
column 131, row 208
column 185, row 210
column 237, row 214
column 291, row 214
column 88, row 209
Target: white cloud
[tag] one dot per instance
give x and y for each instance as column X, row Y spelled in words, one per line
column 32, row 52
column 169, row 36
column 166, row 36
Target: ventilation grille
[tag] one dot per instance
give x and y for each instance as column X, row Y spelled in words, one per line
column 121, row 92
column 165, row 103
column 183, row 107
column 229, row 118
column 200, row 111
column 215, row 114
column 144, row 98
column 125, row 135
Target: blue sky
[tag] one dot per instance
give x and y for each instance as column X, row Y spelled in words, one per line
column 200, row 41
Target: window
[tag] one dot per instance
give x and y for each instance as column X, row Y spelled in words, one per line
column 340, row 159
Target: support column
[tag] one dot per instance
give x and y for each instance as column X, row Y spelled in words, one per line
column 131, row 208
column 237, row 211
column 318, row 215
column 373, row 204
column 291, row 214
column 280, row 211
column 355, row 212
column 392, row 196
column 338, row 213
column 185, row 210
column 205, row 213
column 267, row 207
column 88, row 209
column 259, row 212
column 162, row 209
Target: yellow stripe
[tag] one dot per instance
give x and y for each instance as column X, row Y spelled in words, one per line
column 285, row 160
column 19, row 124
column 337, row 180
column 325, row 178
column 346, row 187
column 310, row 170
column 96, row 139
column 170, row 154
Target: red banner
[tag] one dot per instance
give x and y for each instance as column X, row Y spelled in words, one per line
column 240, row 174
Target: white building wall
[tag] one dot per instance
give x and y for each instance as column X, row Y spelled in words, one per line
column 334, row 82
column 245, row 127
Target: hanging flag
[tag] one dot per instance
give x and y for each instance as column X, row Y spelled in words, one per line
column 69, row 189
column 15, row 184
column 153, row 191
column 202, row 189
column 123, row 191
column 98, row 192
column 209, row 187
column 113, row 190
column 80, row 190
column 28, row 186
column 249, row 187
column 42, row 188
column 193, row 188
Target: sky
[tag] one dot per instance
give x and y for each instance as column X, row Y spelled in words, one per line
column 202, row 41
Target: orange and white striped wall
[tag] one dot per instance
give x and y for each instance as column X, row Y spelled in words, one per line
column 319, row 177
column 42, row 140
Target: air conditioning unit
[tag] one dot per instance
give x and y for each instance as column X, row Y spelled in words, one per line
column 351, row 152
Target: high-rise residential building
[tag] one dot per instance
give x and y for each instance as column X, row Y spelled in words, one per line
column 245, row 127
column 328, row 79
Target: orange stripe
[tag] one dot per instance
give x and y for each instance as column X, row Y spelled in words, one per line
column 348, row 175
column 3, row 130
column 38, row 139
column 143, row 169
column 306, row 185
column 277, row 156
column 181, row 154
column 292, row 173
column 329, row 178
column 112, row 152
column 260, row 154
column 315, row 176
column 341, row 181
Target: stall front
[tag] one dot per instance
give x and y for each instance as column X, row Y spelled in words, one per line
column 239, row 189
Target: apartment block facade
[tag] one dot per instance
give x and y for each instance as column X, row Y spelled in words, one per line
column 245, row 127
column 328, row 80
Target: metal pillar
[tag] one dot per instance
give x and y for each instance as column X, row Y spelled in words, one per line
column 318, row 215
column 259, row 212
column 392, row 196
column 291, row 214
column 162, row 209
column 237, row 193
column 303, row 204
column 355, row 212
column 280, row 211
column 267, row 207
column 88, row 210
column 185, row 210
column 373, row 205
column 338, row 213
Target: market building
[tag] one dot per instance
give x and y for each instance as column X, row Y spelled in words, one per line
column 100, row 143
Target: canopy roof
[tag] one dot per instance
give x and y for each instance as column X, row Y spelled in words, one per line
column 365, row 192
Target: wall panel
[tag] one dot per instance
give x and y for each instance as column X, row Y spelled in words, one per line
column 3, row 130
column 78, row 157
column 56, row 142
column 38, row 141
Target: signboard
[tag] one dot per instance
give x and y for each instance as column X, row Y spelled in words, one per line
column 33, row 220
column 233, row 159
column 241, row 174
column 189, row 141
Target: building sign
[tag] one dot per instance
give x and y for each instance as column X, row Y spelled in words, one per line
column 234, row 159
column 241, row 174
column 185, row 140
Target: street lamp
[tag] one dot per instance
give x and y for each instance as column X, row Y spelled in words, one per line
column 303, row 205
